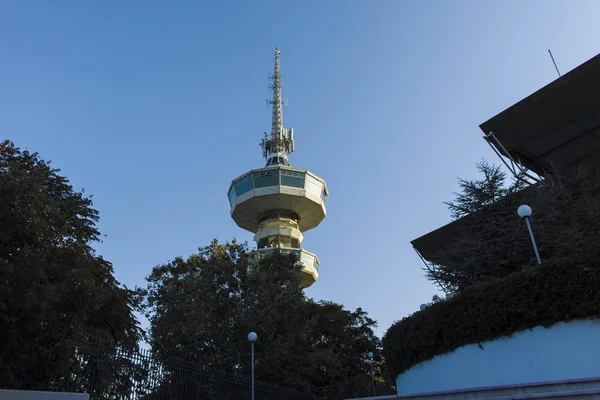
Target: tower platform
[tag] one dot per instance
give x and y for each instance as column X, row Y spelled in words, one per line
column 260, row 193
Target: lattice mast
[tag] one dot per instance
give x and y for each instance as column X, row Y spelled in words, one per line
column 281, row 140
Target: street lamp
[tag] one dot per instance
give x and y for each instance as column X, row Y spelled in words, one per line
column 252, row 336
column 371, row 356
column 524, row 212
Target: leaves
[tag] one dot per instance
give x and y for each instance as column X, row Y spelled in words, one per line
column 557, row 291
column 203, row 308
column 54, row 289
column 494, row 285
column 476, row 194
column 57, row 293
column 494, row 242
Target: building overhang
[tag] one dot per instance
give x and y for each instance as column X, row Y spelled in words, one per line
column 440, row 239
column 557, row 126
column 431, row 243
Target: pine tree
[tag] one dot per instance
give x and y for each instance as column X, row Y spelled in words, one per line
column 476, row 194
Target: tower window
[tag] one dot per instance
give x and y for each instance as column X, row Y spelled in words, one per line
column 244, row 185
column 232, row 196
column 277, row 161
column 313, row 186
column 266, row 178
column 292, row 178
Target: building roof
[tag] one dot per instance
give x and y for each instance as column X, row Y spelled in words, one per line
column 431, row 243
column 434, row 241
column 559, row 125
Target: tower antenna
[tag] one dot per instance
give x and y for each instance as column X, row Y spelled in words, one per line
column 554, row 62
column 277, row 102
column 281, row 140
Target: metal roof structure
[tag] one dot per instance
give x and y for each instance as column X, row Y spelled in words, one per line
column 557, row 126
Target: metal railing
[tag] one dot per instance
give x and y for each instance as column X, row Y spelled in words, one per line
column 106, row 372
column 305, row 257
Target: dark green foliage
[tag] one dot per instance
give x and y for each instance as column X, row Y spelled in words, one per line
column 191, row 302
column 494, row 284
column 558, row 291
column 203, row 308
column 476, row 194
column 494, row 242
column 53, row 289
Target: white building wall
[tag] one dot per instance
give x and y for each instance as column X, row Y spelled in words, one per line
column 561, row 352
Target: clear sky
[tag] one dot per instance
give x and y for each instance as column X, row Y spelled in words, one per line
column 155, row 106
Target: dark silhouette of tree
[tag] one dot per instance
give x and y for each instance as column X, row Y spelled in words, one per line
column 204, row 307
column 476, row 194
column 54, row 290
column 494, row 242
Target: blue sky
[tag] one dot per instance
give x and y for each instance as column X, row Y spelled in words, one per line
column 154, row 107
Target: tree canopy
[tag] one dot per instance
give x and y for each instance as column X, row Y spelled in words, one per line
column 54, row 289
column 203, row 308
column 495, row 287
column 478, row 193
column 58, row 297
column 494, row 242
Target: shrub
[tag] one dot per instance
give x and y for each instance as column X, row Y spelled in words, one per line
column 558, row 291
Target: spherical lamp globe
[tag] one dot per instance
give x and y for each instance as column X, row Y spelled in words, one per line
column 524, row 211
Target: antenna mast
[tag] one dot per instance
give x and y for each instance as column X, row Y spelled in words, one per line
column 554, row 62
column 277, row 102
column 281, row 140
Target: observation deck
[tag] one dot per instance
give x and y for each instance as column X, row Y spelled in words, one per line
column 267, row 192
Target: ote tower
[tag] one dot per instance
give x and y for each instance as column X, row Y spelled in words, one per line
column 279, row 202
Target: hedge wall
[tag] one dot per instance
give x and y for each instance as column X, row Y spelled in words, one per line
column 558, row 291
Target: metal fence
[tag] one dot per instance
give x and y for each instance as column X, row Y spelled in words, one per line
column 106, row 372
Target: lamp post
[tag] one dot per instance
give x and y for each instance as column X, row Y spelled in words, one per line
column 524, row 212
column 252, row 336
column 371, row 356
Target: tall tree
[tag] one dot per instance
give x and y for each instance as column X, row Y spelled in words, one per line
column 191, row 304
column 476, row 194
column 54, row 290
column 203, row 308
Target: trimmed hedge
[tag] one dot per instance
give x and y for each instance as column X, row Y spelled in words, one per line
column 559, row 291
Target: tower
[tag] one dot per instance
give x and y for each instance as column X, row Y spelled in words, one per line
column 278, row 203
